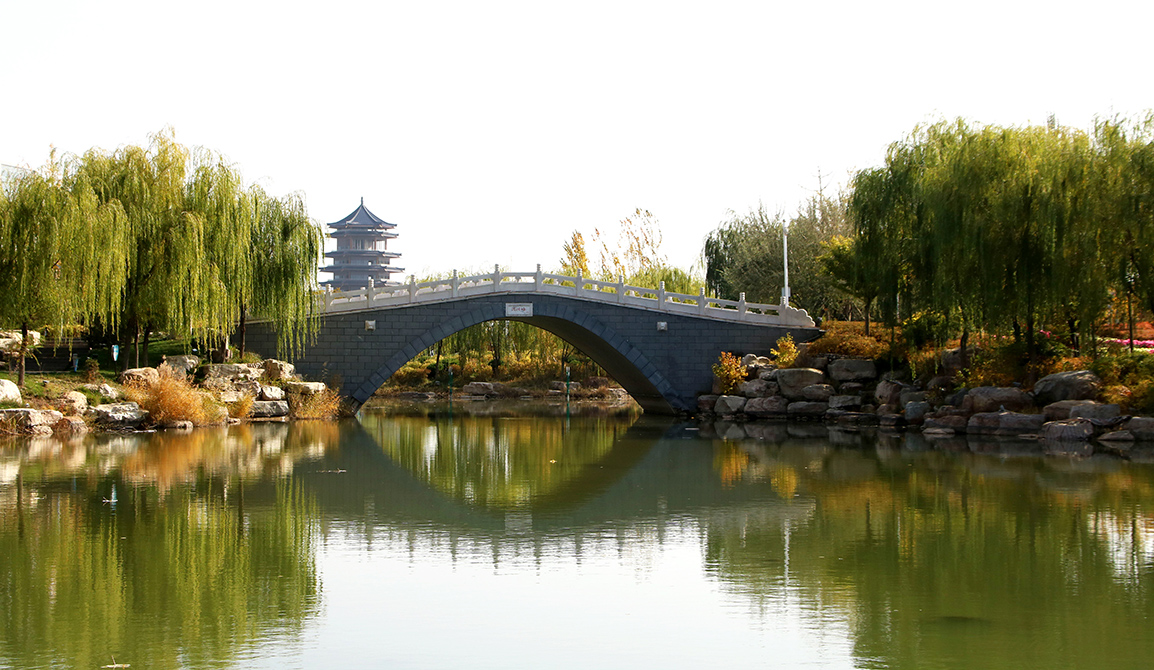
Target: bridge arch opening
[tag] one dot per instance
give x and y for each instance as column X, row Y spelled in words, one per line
column 620, row 362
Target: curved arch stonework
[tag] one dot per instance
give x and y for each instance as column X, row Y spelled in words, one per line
column 663, row 367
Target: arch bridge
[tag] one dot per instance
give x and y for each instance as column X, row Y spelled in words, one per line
column 659, row 345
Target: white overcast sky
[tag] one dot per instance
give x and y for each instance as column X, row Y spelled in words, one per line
column 489, row 131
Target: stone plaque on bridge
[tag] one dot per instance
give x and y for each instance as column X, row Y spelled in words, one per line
column 518, row 309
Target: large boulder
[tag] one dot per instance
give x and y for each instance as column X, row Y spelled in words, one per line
column 74, row 402
column 30, row 421
column 1095, row 410
column 767, row 407
column 817, row 392
column 232, row 373
column 10, row 339
column 985, row 399
column 1075, row 385
column 1004, row 423
column 271, row 393
column 142, row 377
column 807, row 410
column 1060, row 411
column 472, row 388
column 10, row 392
column 916, row 410
column 1070, row 430
column 305, row 388
column 119, row 414
column 1141, row 427
column 274, row 369
column 951, row 422
column 757, row 388
column 952, row 359
column 852, row 370
column 729, row 404
column 845, row 402
column 889, row 392
column 268, row 408
column 791, row 381
column 182, row 365
column 705, row 403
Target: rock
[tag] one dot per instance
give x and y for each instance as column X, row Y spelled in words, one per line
column 770, row 406
column 232, row 372
column 1068, row 430
column 124, row 413
column 757, row 388
column 1060, row 411
column 952, row 422
column 845, row 402
column 791, row 381
column 852, row 370
column 180, row 425
column 807, row 409
column 105, row 391
column 986, row 399
column 597, row 382
column 817, row 392
column 888, row 392
column 705, row 403
column 271, row 393
column 952, row 359
column 1141, row 427
column 560, row 386
column 306, row 388
column 71, row 424
column 142, row 377
column 229, row 397
column 816, row 361
column 74, row 403
column 857, row 418
column 10, row 339
column 1117, row 436
column 268, row 408
column 891, row 420
column 767, row 374
column 749, row 359
column 248, row 387
column 10, row 392
column 916, row 411
column 274, row 369
column 1004, row 423
column 908, row 396
column 729, row 404
column 1094, row 410
column 851, row 388
column 940, row 384
column 472, row 388
column 30, row 421
column 184, row 364
column 1076, row 385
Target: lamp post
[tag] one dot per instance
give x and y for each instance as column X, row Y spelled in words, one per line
column 785, row 262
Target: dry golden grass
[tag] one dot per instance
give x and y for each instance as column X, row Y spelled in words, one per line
column 848, row 338
column 241, row 408
column 324, row 405
column 170, row 399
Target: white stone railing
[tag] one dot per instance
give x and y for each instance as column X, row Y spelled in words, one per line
column 584, row 288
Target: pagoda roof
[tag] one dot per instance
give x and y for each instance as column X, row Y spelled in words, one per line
column 362, row 218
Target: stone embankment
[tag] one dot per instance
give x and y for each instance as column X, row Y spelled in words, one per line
column 850, row 392
column 266, row 387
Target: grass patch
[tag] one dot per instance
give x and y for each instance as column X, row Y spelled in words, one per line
column 171, row 399
column 241, row 408
column 323, row 405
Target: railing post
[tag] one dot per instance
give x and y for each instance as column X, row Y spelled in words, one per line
column 620, row 288
column 577, row 285
column 456, row 284
column 496, row 277
column 661, row 296
column 370, row 293
column 701, row 301
column 741, row 304
column 539, row 279
column 328, row 297
column 412, row 288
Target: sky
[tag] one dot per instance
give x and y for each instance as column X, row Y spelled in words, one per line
column 490, row 131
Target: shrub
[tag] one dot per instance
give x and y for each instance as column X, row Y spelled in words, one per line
column 410, row 374
column 846, row 338
column 91, row 370
column 786, row 351
column 170, row 399
column 730, row 372
column 241, row 408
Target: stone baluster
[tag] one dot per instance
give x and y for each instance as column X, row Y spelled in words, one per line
column 370, row 292
column 456, row 283
column 540, row 280
column 412, row 288
column 741, row 309
column 496, row 278
column 620, row 288
column 328, row 297
column 661, row 296
column 701, row 301
column 578, row 285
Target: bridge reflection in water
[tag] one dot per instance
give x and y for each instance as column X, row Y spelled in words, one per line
column 211, row 548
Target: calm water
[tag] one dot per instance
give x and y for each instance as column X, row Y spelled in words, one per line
column 501, row 541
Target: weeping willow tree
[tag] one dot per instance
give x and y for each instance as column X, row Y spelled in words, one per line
column 61, row 252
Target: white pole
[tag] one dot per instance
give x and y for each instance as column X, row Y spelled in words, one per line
column 785, row 261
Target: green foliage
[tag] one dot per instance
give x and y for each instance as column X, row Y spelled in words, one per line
column 927, row 328
column 729, row 372
column 786, row 351
column 91, row 370
column 848, row 339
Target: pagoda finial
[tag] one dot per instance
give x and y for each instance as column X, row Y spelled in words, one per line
column 362, row 199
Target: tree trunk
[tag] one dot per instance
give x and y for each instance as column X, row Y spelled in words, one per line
column 1130, row 319
column 147, row 333
column 240, row 331
column 965, row 342
column 136, row 347
column 1074, row 342
column 20, row 356
column 868, row 303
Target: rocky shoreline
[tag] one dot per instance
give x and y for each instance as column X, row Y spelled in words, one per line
column 850, row 393
column 268, row 391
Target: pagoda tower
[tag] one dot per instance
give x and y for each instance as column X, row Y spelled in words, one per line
column 361, row 255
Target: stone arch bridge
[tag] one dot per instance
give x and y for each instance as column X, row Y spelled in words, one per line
column 658, row 345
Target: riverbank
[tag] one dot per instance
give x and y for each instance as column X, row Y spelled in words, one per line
column 181, row 393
